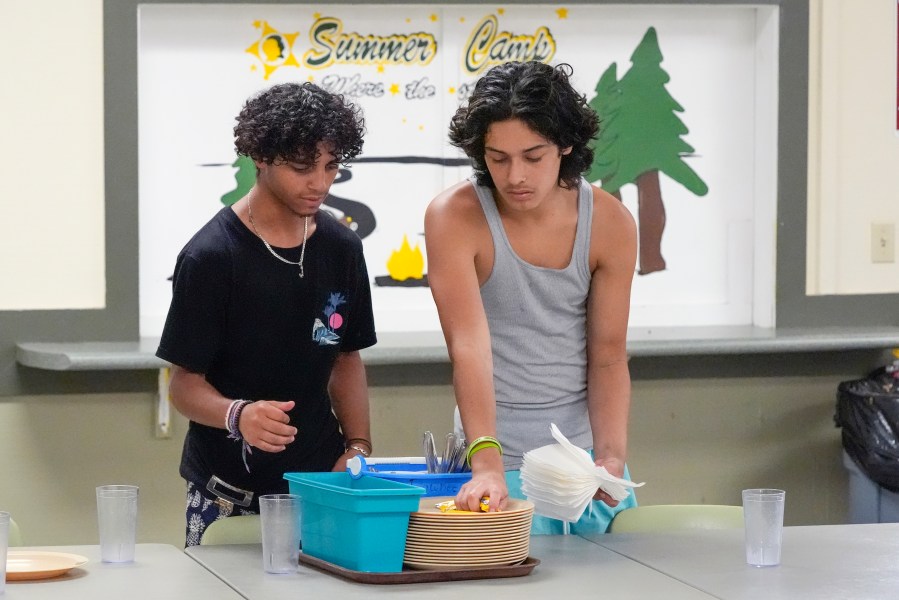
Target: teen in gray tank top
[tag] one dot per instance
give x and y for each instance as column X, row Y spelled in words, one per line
column 535, row 313
column 533, row 345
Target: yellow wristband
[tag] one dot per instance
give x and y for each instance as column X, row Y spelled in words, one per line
column 486, row 441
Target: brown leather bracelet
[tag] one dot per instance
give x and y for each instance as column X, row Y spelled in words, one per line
column 350, row 441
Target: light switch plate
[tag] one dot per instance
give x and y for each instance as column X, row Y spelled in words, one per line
column 883, row 242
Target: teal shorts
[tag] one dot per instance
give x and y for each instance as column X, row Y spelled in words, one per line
column 596, row 517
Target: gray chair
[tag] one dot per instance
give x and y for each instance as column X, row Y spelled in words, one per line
column 241, row 529
column 669, row 517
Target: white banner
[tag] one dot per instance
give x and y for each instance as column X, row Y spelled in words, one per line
column 408, row 67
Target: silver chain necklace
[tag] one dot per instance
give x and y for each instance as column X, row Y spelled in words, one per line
column 272, row 250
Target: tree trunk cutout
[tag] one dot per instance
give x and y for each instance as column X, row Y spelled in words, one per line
column 651, row 217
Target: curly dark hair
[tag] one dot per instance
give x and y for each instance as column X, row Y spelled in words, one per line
column 286, row 122
column 540, row 95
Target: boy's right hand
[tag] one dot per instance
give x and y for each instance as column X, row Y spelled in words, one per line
column 265, row 424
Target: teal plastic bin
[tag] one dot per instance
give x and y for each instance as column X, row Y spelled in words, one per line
column 359, row 524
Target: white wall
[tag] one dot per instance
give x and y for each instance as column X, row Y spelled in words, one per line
column 52, row 161
column 51, row 164
column 853, row 144
column 52, row 253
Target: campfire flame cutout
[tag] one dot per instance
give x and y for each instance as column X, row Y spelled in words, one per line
column 405, row 267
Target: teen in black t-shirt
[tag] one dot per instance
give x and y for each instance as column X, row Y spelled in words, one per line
column 271, row 304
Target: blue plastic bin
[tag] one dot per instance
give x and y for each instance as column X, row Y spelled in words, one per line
column 414, row 473
column 359, row 524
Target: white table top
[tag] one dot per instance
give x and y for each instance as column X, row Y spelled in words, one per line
column 570, row 567
column 158, row 571
column 838, row 562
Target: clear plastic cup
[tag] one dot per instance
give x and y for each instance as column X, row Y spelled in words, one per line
column 117, row 521
column 280, row 515
column 763, row 515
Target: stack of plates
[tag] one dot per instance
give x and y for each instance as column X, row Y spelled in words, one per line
column 460, row 540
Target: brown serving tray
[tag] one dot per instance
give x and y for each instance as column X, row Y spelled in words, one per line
column 423, row 576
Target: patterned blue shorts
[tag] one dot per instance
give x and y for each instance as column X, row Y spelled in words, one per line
column 203, row 509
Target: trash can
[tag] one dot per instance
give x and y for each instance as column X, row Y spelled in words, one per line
column 869, row 502
column 868, row 413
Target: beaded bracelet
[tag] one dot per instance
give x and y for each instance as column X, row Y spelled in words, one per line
column 486, row 441
column 228, row 414
column 232, row 425
column 233, row 417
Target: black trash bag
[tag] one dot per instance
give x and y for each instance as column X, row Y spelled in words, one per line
column 868, row 412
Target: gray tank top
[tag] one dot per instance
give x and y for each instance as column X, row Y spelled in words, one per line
column 538, row 332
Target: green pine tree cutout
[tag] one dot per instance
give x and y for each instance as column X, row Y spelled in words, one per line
column 244, row 178
column 642, row 135
column 605, row 103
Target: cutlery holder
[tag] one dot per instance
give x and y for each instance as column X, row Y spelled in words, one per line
column 411, row 473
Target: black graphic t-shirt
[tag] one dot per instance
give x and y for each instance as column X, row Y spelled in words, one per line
column 258, row 331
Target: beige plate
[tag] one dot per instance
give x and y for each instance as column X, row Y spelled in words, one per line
column 472, row 560
column 469, row 519
column 472, row 540
column 466, row 545
column 34, row 564
column 431, row 553
column 433, row 565
column 455, row 538
column 476, row 530
column 427, row 509
column 436, row 553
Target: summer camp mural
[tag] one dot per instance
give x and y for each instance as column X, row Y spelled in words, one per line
column 409, row 67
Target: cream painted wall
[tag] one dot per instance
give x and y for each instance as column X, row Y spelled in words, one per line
column 853, row 144
column 57, row 449
column 703, row 441
column 51, row 159
column 692, row 441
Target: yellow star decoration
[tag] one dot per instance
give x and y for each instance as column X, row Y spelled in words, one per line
column 394, row 89
column 421, row 127
column 316, row 16
column 562, row 12
column 408, row 20
column 500, row 11
column 452, row 90
column 273, row 48
column 433, row 18
column 380, row 68
column 461, row 19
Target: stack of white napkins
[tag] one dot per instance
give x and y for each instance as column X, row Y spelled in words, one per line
column 561, row 479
